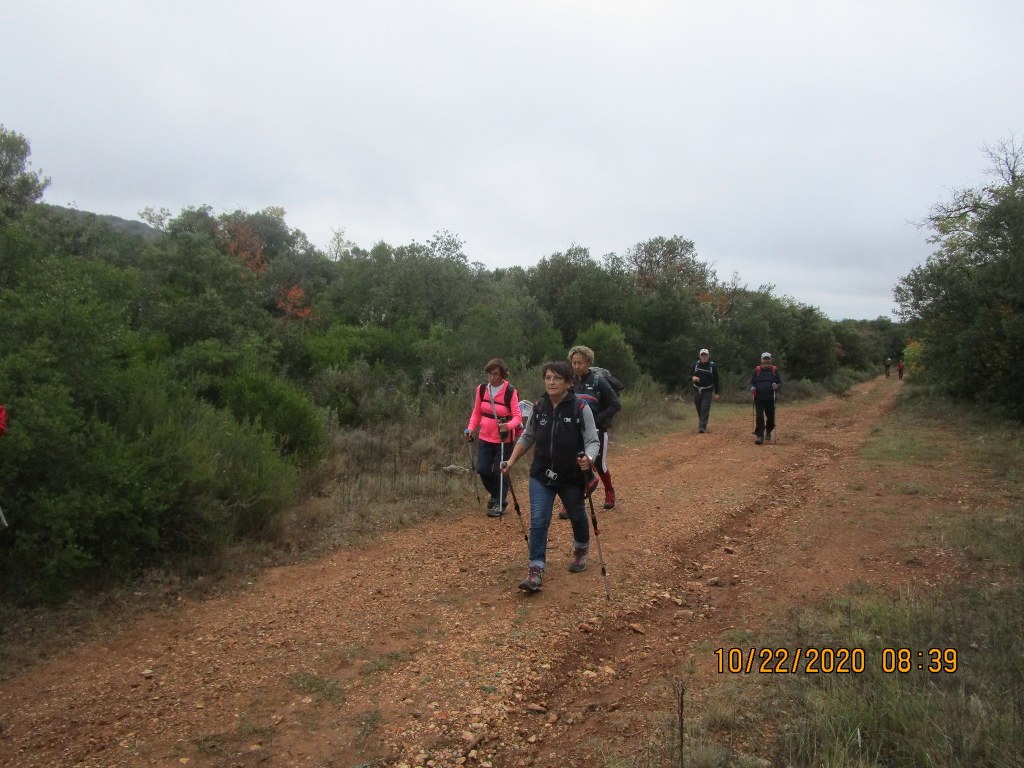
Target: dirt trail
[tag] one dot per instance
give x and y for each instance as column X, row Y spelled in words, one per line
column 421, row 648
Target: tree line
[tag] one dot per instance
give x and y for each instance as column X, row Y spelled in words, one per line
column 964, row 308
column 172, row 387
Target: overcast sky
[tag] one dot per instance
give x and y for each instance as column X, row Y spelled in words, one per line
column 795, row 143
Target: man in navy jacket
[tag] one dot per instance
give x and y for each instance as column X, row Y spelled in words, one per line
column 764, row 383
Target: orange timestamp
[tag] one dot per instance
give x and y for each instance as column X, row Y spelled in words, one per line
column 830, row 661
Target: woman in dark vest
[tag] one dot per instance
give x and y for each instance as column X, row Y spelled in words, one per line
column 564, row 438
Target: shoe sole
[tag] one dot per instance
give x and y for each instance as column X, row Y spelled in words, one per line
column 577, row 570
column 527, row 588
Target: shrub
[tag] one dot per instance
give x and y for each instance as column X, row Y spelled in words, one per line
column 279, row 407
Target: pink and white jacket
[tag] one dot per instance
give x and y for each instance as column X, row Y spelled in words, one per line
column 484, row 417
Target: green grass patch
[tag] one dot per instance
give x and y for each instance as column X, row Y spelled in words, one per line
column 367, row 725
column 321, row 687
column 383, row 663
column 942, row 676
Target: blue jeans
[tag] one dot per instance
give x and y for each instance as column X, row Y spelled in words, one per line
column 542, row 502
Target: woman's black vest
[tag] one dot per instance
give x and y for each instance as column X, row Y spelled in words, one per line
column 558, row 432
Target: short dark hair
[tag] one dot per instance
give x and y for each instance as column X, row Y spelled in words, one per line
column 560, row 368
column 497, row 362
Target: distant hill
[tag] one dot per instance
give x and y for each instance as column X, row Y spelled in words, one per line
column 125, row 226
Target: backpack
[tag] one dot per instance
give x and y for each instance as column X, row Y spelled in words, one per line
column 775, row 369
column 612, row 379
column 482, row 394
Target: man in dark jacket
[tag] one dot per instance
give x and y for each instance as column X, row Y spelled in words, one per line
column 705, row 388
column 599, row 394
column 764, row 383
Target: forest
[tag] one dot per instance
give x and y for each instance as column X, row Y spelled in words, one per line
column 172, row 387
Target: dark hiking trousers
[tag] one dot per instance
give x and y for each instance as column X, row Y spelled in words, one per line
column 765, row 419
column 702, row 398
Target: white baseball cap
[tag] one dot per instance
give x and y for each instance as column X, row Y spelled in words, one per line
column 704, row 352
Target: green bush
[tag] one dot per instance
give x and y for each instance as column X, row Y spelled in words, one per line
column 281, row 408
column 611, row 350
column 90, row 502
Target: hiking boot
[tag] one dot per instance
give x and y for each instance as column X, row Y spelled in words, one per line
column 758, row 440
column 609, row 499
column 564, row 514
column 768, row 436
column 494, row 509
column 701, row 430
column 534, row 579
column 579, row 561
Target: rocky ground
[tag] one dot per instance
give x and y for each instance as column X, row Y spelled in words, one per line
column 419, row 649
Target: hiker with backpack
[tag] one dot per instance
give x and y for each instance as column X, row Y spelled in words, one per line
column 705, row 387
column 563, row 435
column 496, row 413
column 597, row 387
column 764, row 383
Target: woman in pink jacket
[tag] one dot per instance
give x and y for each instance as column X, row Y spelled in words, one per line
column 496, row 413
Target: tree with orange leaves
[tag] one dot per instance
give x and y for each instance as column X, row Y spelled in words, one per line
column 293, row 303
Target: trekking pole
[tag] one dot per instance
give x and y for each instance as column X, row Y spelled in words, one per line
column 597, row 538
column 501, row 477
column 472, row 465
column 775, row 408
column 519, row 513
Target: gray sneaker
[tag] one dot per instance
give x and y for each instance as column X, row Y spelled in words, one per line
column 534, row 579
column 579, row 561
column 768, row 436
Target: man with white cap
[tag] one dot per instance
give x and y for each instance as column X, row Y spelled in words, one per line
column 764, row 383
column 705, row 388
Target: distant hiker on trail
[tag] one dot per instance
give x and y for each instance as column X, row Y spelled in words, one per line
column 888, row 365
column 899, row 369
column 705, row 388
column 764, row 383
column 496, row 413
column 600, row 395
column 564, row 438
